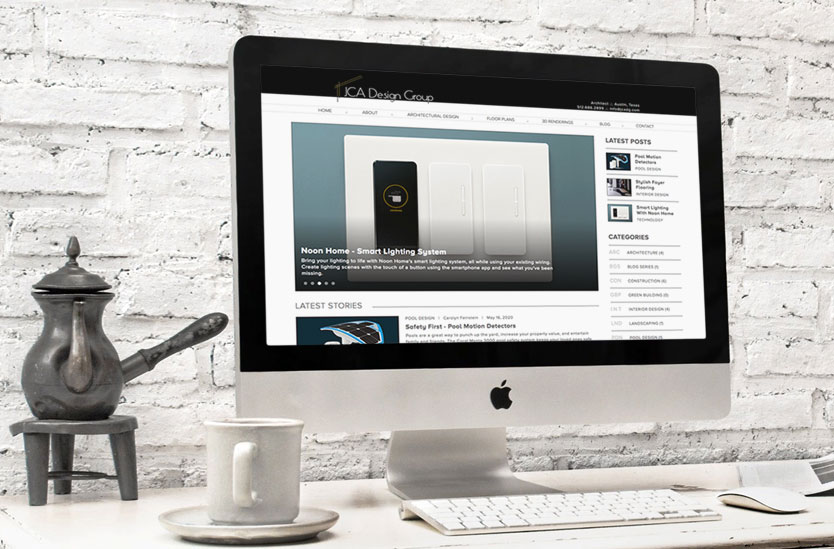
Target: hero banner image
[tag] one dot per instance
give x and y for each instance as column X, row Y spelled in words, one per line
column 432, row 209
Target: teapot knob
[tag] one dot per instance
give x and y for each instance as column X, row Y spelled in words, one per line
column 73, row 251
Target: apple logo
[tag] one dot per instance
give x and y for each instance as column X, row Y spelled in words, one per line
column 500, row 396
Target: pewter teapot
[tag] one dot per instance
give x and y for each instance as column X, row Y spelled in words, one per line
column 73, row 371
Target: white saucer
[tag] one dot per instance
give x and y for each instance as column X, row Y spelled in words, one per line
column 193, row 524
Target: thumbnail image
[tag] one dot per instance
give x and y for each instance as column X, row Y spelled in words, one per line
column 347, row 330
column 619, row 187
column 618, row 161
column 619, row 212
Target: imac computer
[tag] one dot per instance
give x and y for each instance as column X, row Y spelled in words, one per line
column 446, row 242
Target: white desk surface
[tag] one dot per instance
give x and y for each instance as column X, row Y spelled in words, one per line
column 369, row 517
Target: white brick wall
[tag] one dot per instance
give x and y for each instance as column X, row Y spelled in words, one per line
column 113, row 126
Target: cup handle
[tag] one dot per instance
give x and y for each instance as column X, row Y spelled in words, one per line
column 242, row 493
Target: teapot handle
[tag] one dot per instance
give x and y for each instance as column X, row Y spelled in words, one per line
column 144, row 360
column 77, row 372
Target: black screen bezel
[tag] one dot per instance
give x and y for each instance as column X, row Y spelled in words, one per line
column 251, row 53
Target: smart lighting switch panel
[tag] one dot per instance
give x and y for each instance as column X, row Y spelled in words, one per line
column 505, row 228
column 450, row 207
column 469, row 210
column 395, row 204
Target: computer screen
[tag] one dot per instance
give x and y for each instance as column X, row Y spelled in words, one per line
column 419, row 231
column 407, row 208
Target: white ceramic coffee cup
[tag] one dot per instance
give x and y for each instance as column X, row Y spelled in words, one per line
column 254, row 470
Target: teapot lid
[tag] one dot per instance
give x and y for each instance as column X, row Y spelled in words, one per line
column 71, row 277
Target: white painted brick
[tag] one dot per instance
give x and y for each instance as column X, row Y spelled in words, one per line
column 133, row 332
column 808, row 20
column 825, row 106
column 768, row 299
column 44, row 232
column 335, row 465
column 17, row 67
column 532, row 463
column 764, row 411
column 826, row 314
column 214, row 108
column 652, row 16
column 163, row 293
column 764, row 247
column 77, row 106
column 15, row 286
column 174, row 467
column 294, row 6
column 163, row 426
column 14, row 344
column 813, row 80
column 485, row 10
column 789, row 358
column 131, row 76
column 122, row 34
column 785, row 137
column 216, row 404
column 185, row 178
column 223, row 361
column 385, row 30
column 225, row 249
column 772, row 189
column 748, row 328
column 598, row 430
column 17, row 30
column 164, row 394
column 746, row 76
column 829, row 411
column 31, row 169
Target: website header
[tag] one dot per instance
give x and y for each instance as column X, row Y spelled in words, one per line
column 477, row 90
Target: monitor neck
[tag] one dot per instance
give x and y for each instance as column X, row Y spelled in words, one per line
column 449, row 463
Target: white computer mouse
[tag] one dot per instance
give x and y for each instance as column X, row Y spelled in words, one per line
column 763, row 498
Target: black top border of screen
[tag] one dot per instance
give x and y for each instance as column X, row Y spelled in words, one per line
column 479, row 90
column 251, row 53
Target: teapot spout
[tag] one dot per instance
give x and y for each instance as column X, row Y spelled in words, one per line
column 145, row 360
column 77, row 371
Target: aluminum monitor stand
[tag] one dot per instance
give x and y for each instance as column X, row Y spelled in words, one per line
column 451, row 463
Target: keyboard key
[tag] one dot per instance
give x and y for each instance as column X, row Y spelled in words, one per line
column 424, row 504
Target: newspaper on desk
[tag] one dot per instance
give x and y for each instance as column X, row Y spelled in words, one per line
column 814, row 477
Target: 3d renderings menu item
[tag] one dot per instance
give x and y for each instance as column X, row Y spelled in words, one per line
column 395, row 204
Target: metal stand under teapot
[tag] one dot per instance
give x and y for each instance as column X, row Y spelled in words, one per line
column 73, row 371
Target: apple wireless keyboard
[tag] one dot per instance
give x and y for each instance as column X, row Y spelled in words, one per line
column 486, row 515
